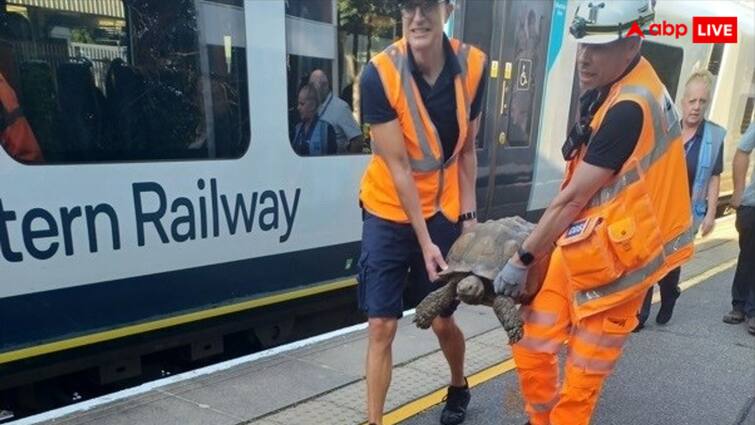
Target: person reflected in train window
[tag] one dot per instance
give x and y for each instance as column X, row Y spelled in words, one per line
column 16, row 136
column 337, row 113
column 422, row 98
column 312, row 136
column 704, row 149
column 743, row 202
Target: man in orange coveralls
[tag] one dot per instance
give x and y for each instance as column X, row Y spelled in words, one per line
column 621, row 221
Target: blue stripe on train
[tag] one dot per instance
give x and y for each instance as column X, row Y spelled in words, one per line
column 28, row 320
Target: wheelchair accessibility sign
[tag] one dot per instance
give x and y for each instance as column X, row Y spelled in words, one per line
column 523, row 74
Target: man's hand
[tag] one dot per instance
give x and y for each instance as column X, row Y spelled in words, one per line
column 735, row 201
column 433, row 261
column 709, row 223
column 511, row 280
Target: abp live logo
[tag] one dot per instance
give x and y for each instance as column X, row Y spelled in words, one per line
column 705, row 29
column 714, row 29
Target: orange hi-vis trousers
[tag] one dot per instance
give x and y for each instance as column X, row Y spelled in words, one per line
column 594, row 346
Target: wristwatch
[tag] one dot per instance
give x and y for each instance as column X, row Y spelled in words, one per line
column 468, row 216
column 525, row 257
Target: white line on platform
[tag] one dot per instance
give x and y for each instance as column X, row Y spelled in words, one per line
column 149, row 386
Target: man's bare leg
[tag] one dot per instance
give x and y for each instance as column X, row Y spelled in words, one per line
column 379, row 365
column 452, row 343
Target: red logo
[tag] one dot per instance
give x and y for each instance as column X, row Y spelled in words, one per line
column 668, row 29
column 705, row 29
column 635, row 30
column 714, row 29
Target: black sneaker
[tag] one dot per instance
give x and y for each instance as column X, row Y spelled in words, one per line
column 455, row 410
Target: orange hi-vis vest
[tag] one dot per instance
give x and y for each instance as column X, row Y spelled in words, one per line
column 16, row 135
column 637, row 227
column 437, row 180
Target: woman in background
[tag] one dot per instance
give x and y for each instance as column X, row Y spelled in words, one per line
column 704, row 149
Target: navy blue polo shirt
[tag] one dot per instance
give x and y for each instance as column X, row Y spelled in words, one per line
column 692, row 151
column 439, row 99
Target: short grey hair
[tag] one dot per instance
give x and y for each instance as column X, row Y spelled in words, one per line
column 311, row 93
column 701, row 75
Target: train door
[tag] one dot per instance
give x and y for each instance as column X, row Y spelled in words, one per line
column 515, row 36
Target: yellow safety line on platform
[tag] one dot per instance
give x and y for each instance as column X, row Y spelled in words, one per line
column 412, row 408
column 51, row 347
column 419, row 405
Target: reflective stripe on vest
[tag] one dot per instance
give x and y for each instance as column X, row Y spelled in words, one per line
column 640, row 275
column 664, row 132
column 428, row 162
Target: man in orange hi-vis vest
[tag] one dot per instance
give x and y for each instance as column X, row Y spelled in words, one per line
column 16, row 136
column 422, row 98
column 621, row 221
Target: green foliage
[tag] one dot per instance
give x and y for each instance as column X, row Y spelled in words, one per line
column 358, row 16
column 81, row 35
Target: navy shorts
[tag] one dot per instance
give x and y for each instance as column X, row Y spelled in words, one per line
column 391, row 262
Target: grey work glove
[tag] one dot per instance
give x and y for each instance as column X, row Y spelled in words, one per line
column 511, row 280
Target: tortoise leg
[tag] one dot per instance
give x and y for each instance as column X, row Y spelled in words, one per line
column 471, row 290
column 433, row 304
column 507, row 313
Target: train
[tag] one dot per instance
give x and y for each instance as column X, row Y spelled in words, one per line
column 169, row 210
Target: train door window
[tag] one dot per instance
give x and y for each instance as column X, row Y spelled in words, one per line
column 128, row 80
column 476, row 30
column 748, row 115
column 667, row 62
column 328, row 43
column 315, row 10
column 716, row 54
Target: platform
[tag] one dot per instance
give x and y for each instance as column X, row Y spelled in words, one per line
column 696, row 370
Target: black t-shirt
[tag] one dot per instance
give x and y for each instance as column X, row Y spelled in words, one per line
column 439, row 99
column 615, row 139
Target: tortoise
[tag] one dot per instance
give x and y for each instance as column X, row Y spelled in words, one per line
column 474, row 260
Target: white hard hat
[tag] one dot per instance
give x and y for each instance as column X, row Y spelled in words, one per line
column 604, row 21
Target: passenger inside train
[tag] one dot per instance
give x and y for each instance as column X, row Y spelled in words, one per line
column 128, row 80
column 313, row 136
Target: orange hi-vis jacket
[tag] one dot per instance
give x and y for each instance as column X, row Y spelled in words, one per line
column 16, row 135
column 637, row 227
column 437, row 180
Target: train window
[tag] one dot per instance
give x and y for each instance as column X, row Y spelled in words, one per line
column 324, row 61
column 748, row 115
column 315, row 10
column 714, row 63
column 667, row 62
column 128, row 80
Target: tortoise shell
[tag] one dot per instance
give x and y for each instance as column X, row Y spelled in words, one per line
column 484, row 250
